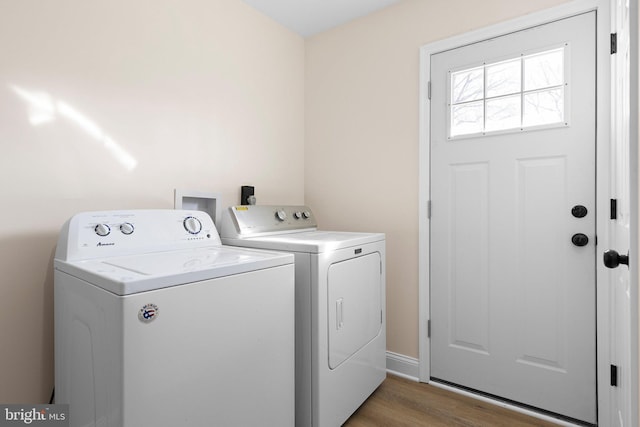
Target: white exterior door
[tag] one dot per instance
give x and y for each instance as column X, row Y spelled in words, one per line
column 512, row 251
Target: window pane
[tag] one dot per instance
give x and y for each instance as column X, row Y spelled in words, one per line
column 544, row 70
column 503, row 113
column 467, row 85
column 466, row 118
column 503, row 78
column 544, row 107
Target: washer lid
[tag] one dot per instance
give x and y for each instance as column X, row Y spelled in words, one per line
column 309, row 241
column 145, row 272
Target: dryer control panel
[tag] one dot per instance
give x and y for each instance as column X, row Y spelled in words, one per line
column 257, row 220
column 90, row 235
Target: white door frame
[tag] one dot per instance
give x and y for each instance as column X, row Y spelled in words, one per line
column 604, row 114
column 635, row 204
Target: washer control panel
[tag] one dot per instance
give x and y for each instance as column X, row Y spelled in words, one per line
column 112, row 233
column 253, row 220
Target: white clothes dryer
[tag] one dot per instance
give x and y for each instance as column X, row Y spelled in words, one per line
column 340, row 306
column 157, row 323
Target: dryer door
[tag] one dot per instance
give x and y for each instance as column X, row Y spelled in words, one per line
column 354, row 299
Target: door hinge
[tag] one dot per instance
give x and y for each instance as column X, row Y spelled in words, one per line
column 613, row 204
column 614, row 376
column 614, row 43
column 428, row 209
column 429, row 90
column 429, row 328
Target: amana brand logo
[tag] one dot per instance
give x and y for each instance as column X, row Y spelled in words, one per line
column 148, row 313
column 105, row 244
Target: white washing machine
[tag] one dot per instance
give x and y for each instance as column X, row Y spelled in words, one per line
column 158, row 324
column 340, row 306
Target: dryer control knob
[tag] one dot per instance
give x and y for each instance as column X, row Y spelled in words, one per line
column 281, row 215
column 297, row 215
column 102, row 230
column 126, row 228
column 306, row 214
column 192, row 225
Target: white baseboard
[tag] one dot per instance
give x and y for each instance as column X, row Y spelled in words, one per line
column 403, row 366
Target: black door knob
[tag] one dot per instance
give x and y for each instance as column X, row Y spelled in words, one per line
column 612, row 259
column 579, row 211
column 579, row 239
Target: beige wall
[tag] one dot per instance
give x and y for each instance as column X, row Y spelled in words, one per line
column 203, row 94
column 361, row 131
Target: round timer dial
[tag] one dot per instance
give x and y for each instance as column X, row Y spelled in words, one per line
column 192, row 225
column 281, row 215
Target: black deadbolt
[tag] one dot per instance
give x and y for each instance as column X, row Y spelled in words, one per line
column 579, row 211
column 579, row 239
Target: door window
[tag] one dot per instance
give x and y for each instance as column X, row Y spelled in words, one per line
column 517, row 94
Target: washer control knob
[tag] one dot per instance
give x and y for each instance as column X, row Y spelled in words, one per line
column 126, row 228
column 281, row 215
column 102, row 230
column 192, row 225
column 306, row 214
column 297, row 215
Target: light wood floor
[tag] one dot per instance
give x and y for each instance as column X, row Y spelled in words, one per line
column 403, row 403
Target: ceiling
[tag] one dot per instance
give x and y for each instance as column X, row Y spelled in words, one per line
column 309, row 17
